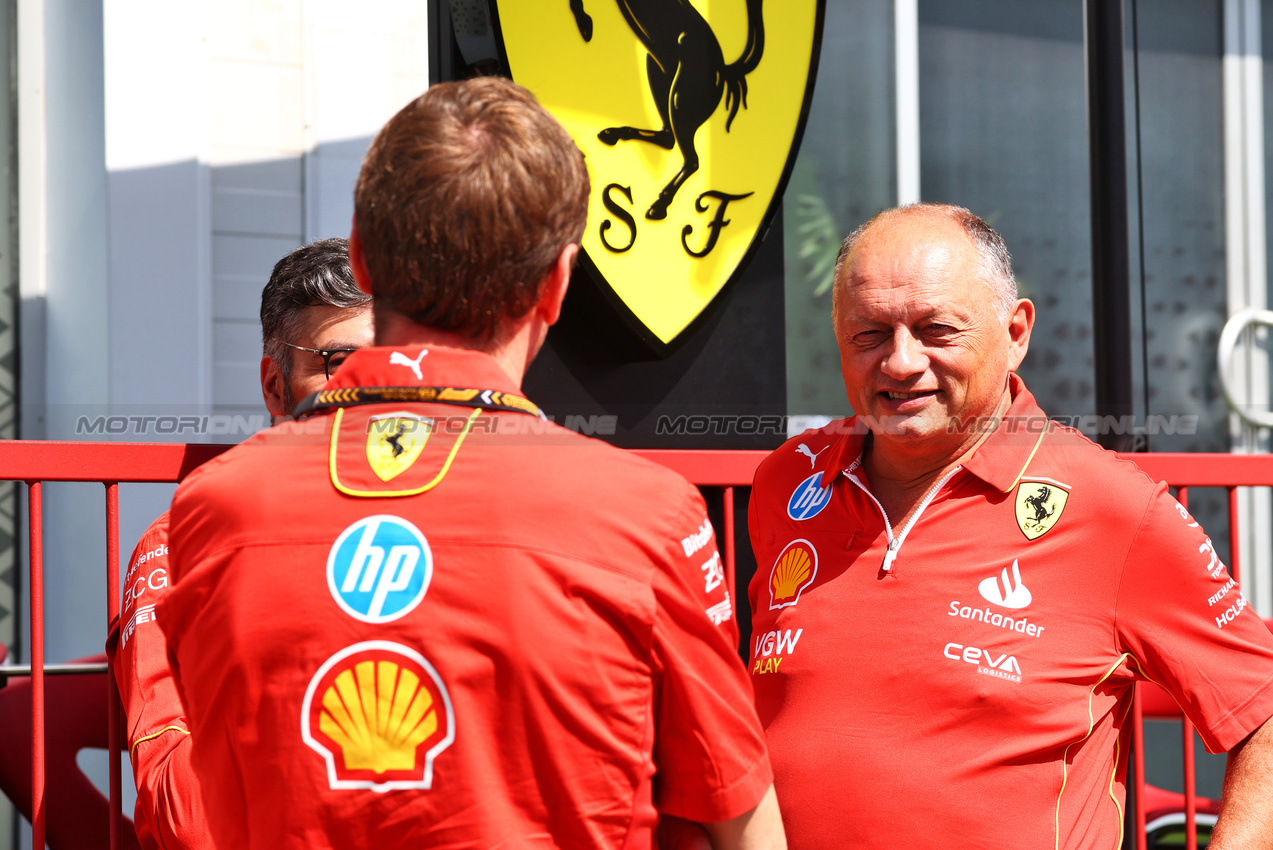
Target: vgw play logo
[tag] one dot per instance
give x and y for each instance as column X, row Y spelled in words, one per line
column 689, row 113
column 379, row 568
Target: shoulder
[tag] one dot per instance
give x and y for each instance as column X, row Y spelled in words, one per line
column 1113, row 487
column 803, row 455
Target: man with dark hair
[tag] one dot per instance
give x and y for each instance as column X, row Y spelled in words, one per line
column 312, row 317
column 449, row 622
column 956, row 596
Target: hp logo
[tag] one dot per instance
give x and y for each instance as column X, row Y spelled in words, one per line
column 809, row 499
column 379, row 568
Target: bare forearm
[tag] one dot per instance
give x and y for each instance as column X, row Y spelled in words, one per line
column 1246, row 806
column 759, row 829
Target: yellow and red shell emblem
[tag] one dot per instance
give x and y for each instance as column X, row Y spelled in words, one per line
column 378, row 714
column 794, row 570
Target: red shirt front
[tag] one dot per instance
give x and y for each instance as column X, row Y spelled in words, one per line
column 169, row 811
column 407, row 625
column 967, row 678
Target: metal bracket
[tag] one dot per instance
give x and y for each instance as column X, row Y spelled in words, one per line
column 1229, row 337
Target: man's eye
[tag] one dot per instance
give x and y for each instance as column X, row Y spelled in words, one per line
column 337, row 359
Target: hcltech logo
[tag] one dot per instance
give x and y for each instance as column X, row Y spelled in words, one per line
column 379, row 568
column 809, row 499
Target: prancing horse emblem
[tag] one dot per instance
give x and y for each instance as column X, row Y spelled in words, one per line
column 1039, row 506
column 394, row 441
column 687, row 74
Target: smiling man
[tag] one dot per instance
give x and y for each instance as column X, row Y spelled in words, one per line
column 955, row 596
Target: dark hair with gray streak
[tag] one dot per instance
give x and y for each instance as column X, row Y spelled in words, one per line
column 996, row 262
column 316, row 275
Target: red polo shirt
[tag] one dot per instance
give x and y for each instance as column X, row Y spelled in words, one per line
column 426, row 625
column 974, row 681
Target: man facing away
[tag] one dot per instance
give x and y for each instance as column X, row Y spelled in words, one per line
column 312, row 317
column 955, row 596
column 427, row 616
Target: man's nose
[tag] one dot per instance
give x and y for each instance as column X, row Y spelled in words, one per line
column 905, row 356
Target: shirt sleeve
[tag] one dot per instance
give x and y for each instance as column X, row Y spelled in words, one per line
column 1189, row 627
column 709, row 749
column 169, row 811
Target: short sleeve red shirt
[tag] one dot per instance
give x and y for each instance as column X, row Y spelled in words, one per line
column 407, row 625
column 976, row 681
column 169, row 810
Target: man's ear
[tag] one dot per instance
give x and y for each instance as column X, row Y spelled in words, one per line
column 358, row 263
column 1020, row 323
column 272, row 386
column 553, row 292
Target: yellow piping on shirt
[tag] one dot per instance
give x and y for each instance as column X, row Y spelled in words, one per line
column 154, row 735
column 1065, row 766
column 1026, row 465
column 386, row 494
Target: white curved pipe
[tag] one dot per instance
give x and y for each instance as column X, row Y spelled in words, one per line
column 1233, row 329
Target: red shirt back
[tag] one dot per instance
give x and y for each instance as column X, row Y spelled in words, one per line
column 504, row 653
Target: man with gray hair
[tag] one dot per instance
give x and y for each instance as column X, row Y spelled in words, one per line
column 313, row 316
column 956, row 596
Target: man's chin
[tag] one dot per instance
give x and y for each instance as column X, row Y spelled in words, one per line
column 904, row 426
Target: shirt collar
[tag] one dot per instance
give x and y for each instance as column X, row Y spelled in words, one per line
column 422, row 366
column 1000, row 461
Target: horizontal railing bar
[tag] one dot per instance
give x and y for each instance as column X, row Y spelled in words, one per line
column 14, row 671
column 51, row 460
column 58, row 460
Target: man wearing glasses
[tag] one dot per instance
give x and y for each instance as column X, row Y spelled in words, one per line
column 312, row 317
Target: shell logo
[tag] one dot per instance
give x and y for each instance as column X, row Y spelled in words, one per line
column 378, row 714
column 793, row 571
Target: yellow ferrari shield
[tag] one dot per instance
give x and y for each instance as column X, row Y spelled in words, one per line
column 1039, row 507
column 689, row 113
column 394, row 441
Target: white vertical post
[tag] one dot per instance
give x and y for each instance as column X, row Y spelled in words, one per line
column 1246, row 273
column 906, row 82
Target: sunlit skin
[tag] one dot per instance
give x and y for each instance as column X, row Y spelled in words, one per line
column 322, row 328
column 923, row 348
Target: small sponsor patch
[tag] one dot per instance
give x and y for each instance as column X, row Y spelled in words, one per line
column 809, row 499
column 379, row 568
column 378, row 714
column 794, row 570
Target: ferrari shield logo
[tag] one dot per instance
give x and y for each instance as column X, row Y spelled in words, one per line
column 394, row 441
column 1039, row 506
column 689, row 113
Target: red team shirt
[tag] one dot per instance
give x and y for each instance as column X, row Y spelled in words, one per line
column 169, row 812
column 447, row 627
column 970, row 676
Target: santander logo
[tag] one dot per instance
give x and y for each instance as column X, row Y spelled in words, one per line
column 1009, row 593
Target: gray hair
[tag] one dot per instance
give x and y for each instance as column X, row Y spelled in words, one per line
column 316, row 275
column 995, row 261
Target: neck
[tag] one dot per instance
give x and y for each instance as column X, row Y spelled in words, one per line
column 513, row 346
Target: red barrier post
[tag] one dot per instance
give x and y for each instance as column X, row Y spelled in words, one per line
column 1138, row 765
column 37, row 663
column 1234, row 558
column 729, row 547
column 112, row 689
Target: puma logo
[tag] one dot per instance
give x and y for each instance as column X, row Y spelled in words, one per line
column 400, row 359
column 687, row 75
column 802, row 449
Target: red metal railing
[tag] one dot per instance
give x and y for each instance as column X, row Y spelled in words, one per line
column 35, row 462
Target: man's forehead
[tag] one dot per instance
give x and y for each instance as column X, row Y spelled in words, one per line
column 911, row 240
column 321, row 325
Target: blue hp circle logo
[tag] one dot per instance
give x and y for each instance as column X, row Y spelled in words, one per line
column 379, row 568
column 809, row 499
